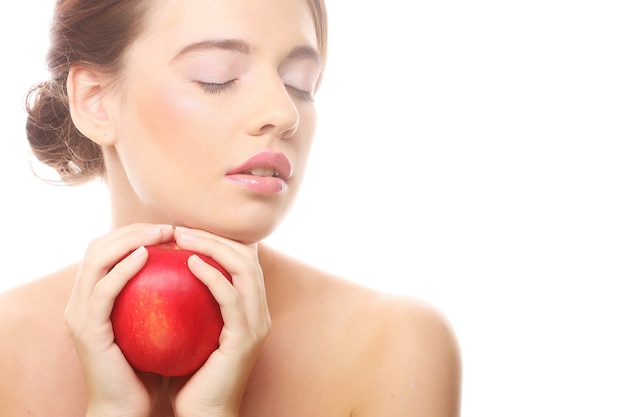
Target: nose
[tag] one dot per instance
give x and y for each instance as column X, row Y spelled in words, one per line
column 273, row 111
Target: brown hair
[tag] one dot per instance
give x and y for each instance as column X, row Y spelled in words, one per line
column 94, row 33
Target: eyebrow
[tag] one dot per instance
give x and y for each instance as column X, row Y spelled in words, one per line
column 238, row 45
column 235, row 45
column 304, row 52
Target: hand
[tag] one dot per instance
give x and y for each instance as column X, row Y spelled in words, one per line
column 114, row 388
column 216, row 389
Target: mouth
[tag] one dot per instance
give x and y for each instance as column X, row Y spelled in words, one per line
column 266, row 165
column 262, row 172
column 265, row 172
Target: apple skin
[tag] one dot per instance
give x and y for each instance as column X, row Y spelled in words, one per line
column 165, row 320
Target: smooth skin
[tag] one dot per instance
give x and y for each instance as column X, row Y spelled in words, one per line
column 207, row 85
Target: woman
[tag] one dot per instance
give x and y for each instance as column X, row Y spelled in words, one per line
column 199, row 115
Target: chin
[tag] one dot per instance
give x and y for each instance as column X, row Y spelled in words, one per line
column 245, row 223
column 255, row 233
column 242, row 232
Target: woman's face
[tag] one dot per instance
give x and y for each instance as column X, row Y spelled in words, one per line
column 214, row 115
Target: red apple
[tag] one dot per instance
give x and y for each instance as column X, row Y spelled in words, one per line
column 166, row 320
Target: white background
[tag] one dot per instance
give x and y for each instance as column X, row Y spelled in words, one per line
column 469, row 153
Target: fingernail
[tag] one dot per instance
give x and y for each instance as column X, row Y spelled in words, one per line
column 185, row 237
column 183, row 233
column 165, row 226
column 196, row 259
column 138, row 252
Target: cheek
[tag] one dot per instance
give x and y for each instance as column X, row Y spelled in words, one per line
column 299, row 149
column 165, row 139
column 168, row 117
column 175, row 126
column 308, row 118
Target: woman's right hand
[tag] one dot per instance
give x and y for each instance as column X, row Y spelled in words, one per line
column 114, row 388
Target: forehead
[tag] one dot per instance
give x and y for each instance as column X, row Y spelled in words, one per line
column 259, row 22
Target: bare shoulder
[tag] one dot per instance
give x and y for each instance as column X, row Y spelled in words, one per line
column 32, row 311
column 30, row 301
column 405, row 354
column 399, row 355
column 33, row 346
column 413, row 356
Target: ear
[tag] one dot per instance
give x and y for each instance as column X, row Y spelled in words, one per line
column 85, row 90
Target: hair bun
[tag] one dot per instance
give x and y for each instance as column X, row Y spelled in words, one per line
column 54, row 139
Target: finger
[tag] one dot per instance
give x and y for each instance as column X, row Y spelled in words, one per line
column 241, row 262
column 95, row 315
column 101, row 256
column 222, row 290
column 103, row 253
column 106, row 290
column 234, row 257
column 122, row 241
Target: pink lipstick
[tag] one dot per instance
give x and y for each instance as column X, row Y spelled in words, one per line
column 265, row 172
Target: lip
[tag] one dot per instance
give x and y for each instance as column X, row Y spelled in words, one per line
column 278, row 162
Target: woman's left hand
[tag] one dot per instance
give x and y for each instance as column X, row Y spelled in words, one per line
column 217, row 388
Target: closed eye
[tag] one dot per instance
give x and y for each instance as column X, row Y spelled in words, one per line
column 216, row 88
column 303, row 94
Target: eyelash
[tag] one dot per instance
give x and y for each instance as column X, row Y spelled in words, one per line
column 303, row 94
column 217, row 88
